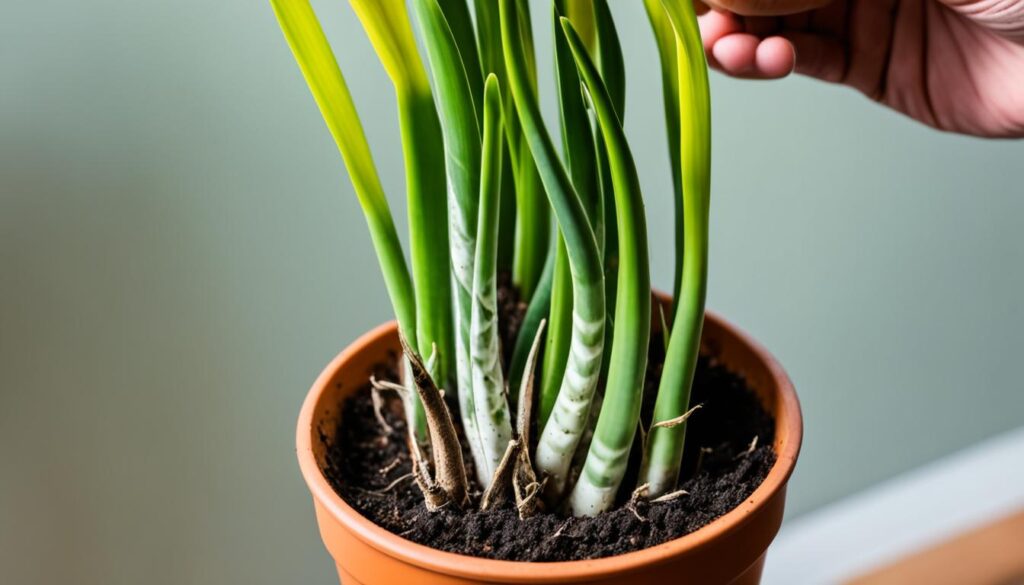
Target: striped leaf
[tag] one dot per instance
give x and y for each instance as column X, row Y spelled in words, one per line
column 620, row 411
column 561, row 433
column 493, row 419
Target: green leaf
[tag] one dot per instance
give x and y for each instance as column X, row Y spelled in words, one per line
column 462, row 149
column 665, row 445
column 564, row 428
column 620, row 411
column 387, row 24
column 580, row 157
column 532, row 229
column 493, row 418
column 666, row 42
column 559, row 336
column 609, row 57
column 320, row 69
column 456, row 13
column 577, row 138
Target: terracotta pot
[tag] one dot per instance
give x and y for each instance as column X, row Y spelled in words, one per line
column 729, row 550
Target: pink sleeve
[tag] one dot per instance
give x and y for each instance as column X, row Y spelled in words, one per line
column 1005, row 17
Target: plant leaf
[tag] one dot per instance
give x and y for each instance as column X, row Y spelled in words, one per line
column 665, row 445
column 558, row 441
column 608, row 456
column 320, row 69
column 493, row 419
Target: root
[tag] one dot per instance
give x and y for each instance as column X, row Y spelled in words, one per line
column 632, row 508
column 639, row 494
column 385, row 385
column 390, row 466
column 378, row 408
column 643, row 491
column 392, row 485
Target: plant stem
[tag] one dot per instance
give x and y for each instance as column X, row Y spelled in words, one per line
column 462, row 148
column 613, row 73
column 577, row 136
column 620, row 412
column 493, row 420
column 491, row 60
column 665, row 445
column 428, row 224
column 563, row 429
column 319, row 67
column 666, row 40
column 532, row 229
column 610, row 61
column 612, row 68
column 559, row 336
column 578, row 152
column 507, row 219
column 460, row 23
column 387, row 24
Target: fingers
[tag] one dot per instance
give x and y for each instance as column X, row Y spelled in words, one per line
column 745, row 55
column 766, row 7
column 766, row 48
column 775, row 58
column 742, row 54
column 714, row 25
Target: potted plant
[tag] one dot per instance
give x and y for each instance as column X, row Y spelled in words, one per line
column 534, row 415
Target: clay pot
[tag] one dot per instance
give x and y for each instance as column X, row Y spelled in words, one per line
column 729, row 550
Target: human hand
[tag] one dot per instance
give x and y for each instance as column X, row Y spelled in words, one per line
column 956, row 65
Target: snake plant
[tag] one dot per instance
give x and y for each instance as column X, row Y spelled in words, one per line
column 490, row 191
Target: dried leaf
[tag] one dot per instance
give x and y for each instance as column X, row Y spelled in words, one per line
column 449, row 469
column 527, row 389
column 674, row 422
column 501, row 484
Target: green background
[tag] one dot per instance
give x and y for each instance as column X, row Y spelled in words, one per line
column 181, row 252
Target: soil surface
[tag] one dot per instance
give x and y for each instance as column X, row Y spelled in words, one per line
column 369, row 466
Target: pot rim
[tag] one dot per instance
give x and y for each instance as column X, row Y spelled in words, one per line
column 471, row 567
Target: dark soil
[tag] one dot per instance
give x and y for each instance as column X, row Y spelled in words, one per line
column 369, row 467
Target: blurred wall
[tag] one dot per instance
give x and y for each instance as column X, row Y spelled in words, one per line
column 181, row 252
